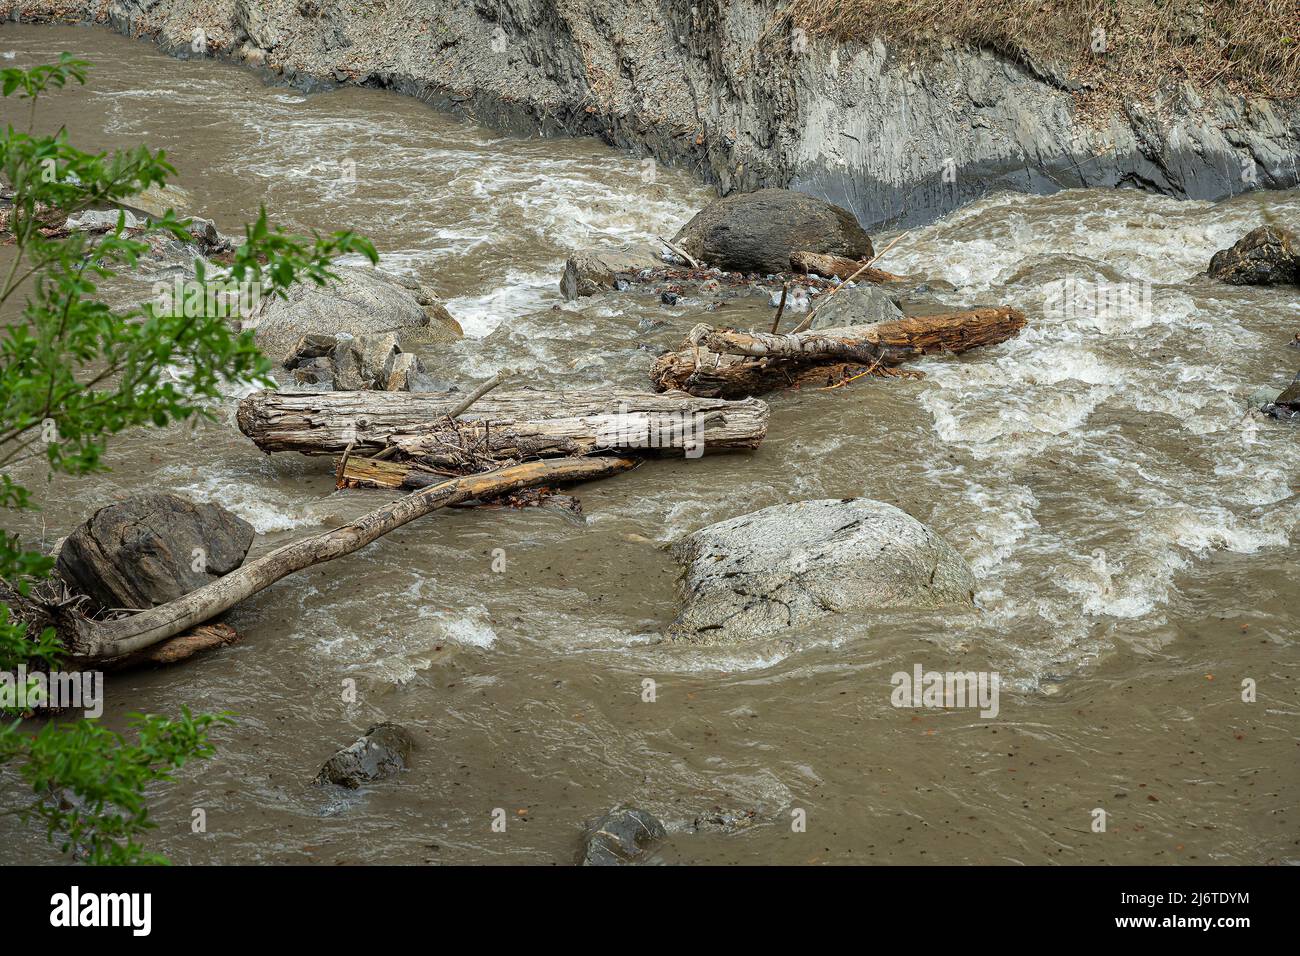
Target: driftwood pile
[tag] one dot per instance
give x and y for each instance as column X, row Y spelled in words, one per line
column 448, row 449
column 729, row 363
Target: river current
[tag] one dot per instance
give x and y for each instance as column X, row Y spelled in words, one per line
column 1132, row 526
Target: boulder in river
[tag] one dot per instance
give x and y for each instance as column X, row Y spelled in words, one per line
column 598, row 270
column 757, row 232
column 861, row 305
column 1268, row 255
column 152, row 548
column 781, row 567
column 621, row 836
column 382, row 752
column 348, row 364
column 362, row 301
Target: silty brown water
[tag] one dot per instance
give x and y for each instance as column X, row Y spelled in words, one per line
column 1131, row 526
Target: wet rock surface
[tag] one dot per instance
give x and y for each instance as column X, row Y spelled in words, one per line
column 757, row 232
column 362, row 302
column 622, row 836
column 382, row 752
column 151, row 549
column 599, row 270
column 762, row 573
column 860, row 305
column 1268, row 255
column 346, row 363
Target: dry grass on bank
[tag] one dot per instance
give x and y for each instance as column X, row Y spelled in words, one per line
column 1253, row 46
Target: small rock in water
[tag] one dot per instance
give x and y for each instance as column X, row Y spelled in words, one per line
column 1264, row 256
column 668, row 298
column 382, row 752
column 860, row 305
column 1287, row 405
column 621, row 836
column 317, row 372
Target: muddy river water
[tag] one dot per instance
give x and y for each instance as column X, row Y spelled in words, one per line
column 1134, row 531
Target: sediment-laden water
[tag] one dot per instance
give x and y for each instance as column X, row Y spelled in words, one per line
column 1133, row 529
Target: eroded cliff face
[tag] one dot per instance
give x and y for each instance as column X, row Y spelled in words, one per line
column 722, row 87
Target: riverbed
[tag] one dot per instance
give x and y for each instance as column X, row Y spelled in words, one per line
column 1131, row 525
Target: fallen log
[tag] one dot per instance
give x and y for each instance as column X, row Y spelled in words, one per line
column 106, row 640
column 728, row 363
column 838, row 267
column 375, row 473
column 205, row 637
column 501, row 425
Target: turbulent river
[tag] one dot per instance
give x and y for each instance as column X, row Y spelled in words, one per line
column 1133, row 528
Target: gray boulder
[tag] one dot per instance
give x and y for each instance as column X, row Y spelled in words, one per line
column 382, row 752
column 861, row 305
column 364, row 361
column 620, row 836
column 362, row 301
column 152, row 548
column 756, row 232
column 781, row 567
column 599, row 270
column 348, row 363
column 1264, row 256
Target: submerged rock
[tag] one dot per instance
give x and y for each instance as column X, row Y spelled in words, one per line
column 1286, row 405
column 152, row 548
column 783, row 566
column 382, row 752
column 756, row 232
column 1264, row 256
column 361, row 301
column 621, row 836
column 599, row 270
column 861, row 305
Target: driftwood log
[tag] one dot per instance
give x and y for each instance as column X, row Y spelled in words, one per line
column 90, row 640
column 839, row 267
column 729, row 363
column 502, row 425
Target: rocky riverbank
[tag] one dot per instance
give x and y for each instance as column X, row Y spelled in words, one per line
column 741, row 96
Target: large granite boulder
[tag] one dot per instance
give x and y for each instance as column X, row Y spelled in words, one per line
column 152, row 548
column 756, row 232
column 781, row 567
column 362, row 301
column 382, row 752
column 598, row 270
column 1265, row 256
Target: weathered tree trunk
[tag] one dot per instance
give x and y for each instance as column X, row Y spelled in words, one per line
column 838, row 267
column 501, row 425
column 728, row 363
column 373, row 473
column 205, row 637
column 102, row 640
